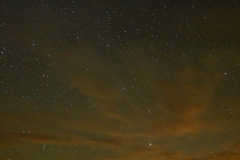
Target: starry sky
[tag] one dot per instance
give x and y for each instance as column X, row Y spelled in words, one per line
column 119, row 80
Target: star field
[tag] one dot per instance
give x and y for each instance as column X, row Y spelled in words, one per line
column 119, row 80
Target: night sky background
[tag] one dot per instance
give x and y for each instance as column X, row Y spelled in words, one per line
column 119, row 80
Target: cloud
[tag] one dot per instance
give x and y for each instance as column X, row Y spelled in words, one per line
column 103, row 143
column 122, row 110
column 231, row 153
column 176, row 105
column 9, row 139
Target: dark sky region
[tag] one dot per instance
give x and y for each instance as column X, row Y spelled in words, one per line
column 119, row 80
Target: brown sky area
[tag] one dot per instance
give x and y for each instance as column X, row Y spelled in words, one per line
column 179, row 99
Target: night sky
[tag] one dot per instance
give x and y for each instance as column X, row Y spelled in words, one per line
column 119, row 80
